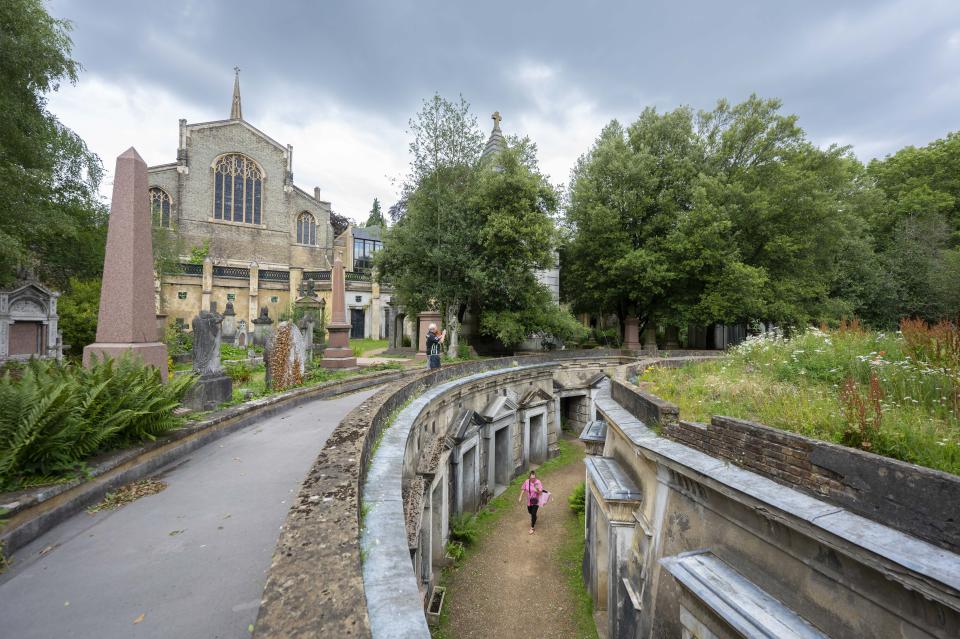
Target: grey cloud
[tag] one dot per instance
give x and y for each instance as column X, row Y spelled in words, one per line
column 858, row 70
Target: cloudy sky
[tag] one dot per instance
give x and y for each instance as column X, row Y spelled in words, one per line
column 340, row 80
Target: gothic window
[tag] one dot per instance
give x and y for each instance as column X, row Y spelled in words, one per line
column 160, row 207
column 306, row 229
column 238, row 189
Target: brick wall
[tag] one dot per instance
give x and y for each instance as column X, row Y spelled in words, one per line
column 919, row 501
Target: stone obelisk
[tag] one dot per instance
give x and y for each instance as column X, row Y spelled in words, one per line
column 338, row 353
column 127, row 322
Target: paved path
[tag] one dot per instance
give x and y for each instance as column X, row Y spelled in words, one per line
column 513, row 587
column 192, row 559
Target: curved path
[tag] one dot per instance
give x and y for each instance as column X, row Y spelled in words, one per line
column 513, row 585
column 192, row 560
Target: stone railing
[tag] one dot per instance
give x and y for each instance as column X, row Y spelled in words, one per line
column 315, row 586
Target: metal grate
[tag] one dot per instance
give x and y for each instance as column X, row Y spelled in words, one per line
column 275, row 276
column 319, row 276
column 353, row 276
column 192, row 269
column 231, row 271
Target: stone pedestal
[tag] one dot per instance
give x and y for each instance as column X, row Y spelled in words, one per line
column 424, row 320
column 262, row 327
column 208, row 392
column 228, row 333
column 631, row 333
column 338, row 353
column 127, row 321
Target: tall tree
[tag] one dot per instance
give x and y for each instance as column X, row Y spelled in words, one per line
column 50, row 217
column 376, row 216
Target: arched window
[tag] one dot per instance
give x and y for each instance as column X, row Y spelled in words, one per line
column 306, row 229
column 238, row 189
column 160, row 207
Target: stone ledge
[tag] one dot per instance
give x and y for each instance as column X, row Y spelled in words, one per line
column 33, row 512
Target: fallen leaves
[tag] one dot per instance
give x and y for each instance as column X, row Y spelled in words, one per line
column 140, row 618
column 127, row 494
column 174, row 533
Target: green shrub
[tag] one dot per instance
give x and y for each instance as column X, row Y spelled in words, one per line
column 464, row 529
column 455, row 550
column 229, row 351
column 77, row 309
column 577, row 498
column 178, row 341
column 240, row 373
column 57, row 415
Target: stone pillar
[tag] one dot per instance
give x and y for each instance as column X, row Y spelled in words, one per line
column 127, row 321
column 229, row 327
column 338, row 353
column 296, row 277
column 650, row 338
column 376, row 309
column 206, row 284
column 631, row 333
column 253, row 306
column 425, row 319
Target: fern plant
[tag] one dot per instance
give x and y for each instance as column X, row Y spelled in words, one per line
column 57, row 415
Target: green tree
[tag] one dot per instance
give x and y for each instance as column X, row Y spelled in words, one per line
column 50, row 217
column 376, row 216
column 78, row 308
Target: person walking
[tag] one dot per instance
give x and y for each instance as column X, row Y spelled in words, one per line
column 533, row 489
column 434, row 341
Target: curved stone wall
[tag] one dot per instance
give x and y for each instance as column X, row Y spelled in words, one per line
column 315, row 585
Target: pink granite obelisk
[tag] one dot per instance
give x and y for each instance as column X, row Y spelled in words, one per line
column 127, row 322
column 338, row 353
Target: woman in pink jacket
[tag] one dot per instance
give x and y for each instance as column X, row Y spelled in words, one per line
column 534, row 491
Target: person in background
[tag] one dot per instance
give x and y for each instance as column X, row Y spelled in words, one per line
column 434, row 342
column 533, row 489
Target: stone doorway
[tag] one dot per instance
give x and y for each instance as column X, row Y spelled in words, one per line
column 27, row 338
column 501, row 460
column 538, row 439
column 357, row 324
column 469, row 477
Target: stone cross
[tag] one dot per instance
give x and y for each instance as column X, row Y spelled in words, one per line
column 496, row 119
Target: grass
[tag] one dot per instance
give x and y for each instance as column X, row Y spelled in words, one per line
column 878, row 392
column 361, row 346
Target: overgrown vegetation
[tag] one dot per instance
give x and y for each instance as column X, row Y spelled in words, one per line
column 895, row 394
column 577, row 499
column 57, row 415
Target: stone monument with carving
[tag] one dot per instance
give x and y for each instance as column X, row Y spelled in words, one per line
column 338, row 353
column 127, row 321
column 262, row 328
column 285, row 356
column 229, row 332
column 213, row 387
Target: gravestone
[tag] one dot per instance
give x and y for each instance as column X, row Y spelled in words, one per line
column 213, row 387
column 127, row 321
column 262, row 328
column 285, row 356
column 229, row 333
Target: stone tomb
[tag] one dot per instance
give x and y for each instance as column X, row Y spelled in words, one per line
column 212, row 387
column 465, row 460
column 285, row 356
column 499, row 414
column 28, row 323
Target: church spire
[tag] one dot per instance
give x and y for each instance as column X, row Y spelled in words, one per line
column 236, row 113
column 497, row 142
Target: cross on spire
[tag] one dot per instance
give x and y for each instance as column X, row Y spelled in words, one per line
column 236, row 112
column 496, row 119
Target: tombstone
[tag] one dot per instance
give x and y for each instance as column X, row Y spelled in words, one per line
column 212, row 387
column 127, row 320
column 312, row 309
column 631, row 333
column 650, row 338
column 242, row 338
column 262, row 328
column 285, row 357
column 229, row 333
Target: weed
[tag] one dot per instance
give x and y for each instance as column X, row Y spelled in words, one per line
column 577, row 498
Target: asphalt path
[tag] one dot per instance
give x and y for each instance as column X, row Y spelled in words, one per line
column 190, row 561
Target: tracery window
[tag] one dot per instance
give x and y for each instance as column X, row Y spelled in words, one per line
column 160, row 207
column 306, row 229
column 238, row 189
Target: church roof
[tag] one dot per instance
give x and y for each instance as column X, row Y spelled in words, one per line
column 496, row 143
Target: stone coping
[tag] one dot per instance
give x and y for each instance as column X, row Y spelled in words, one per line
column 33, row 512
column 611, row 481
column 752, row 612
column 914, row 563
column 394, row 601
column 595, row 431
column 315, row 586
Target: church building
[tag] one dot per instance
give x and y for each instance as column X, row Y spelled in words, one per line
column 245, row 233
